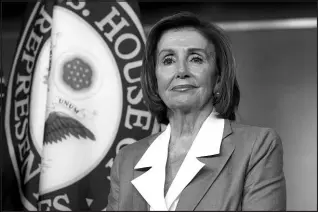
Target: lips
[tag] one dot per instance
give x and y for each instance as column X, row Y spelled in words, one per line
column 183, row 87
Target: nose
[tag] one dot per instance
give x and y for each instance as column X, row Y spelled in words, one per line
column 182, row 71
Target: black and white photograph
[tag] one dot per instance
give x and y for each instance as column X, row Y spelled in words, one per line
column 134, row 105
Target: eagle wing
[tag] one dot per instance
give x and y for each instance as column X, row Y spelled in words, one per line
column 59, row 125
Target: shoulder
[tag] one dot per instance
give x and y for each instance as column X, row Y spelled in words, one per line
column 140, row 146
column 133, row 152
column 254, row 137
column 253, row 131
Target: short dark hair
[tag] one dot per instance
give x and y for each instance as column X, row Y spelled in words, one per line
column 226, row 103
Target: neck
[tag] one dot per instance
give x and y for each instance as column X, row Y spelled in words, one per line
column 187, row 124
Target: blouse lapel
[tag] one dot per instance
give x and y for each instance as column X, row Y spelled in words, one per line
column 150, row 183
column 150, row 186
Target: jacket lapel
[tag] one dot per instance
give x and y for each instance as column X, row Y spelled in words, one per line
column 188, row 170
column 195, row 191
column 139, row 203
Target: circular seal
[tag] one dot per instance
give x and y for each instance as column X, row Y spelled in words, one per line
column 78, row 73
column 65, row 126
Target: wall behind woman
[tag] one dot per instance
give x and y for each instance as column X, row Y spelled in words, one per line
column 277, row 74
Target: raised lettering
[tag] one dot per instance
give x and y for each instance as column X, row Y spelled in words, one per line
column 58, row 206
column 48, row 202
column 30, row 61
column 21, row 108
column 76, row 110
column 139, row 114
column 24, row 147
column 109, row 20
column 20, row 133
column 24, row 84
column 138, row 97
column 132, row 54
column 130, row 66
column 33, row 42
column 79, row 6
column 27, row 164
column 46, row 18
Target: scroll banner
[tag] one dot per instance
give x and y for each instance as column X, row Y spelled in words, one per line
column 74, row 101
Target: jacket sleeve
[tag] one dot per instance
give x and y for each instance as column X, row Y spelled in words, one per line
column 113, row 196
column 265, row 187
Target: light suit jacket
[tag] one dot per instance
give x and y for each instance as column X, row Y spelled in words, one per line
column 247, row 174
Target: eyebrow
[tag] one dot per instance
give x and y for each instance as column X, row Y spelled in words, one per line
column 189, row 50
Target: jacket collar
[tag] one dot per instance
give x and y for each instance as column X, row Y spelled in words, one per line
column 207, row 143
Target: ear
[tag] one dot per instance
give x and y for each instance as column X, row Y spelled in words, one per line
column 217, row 85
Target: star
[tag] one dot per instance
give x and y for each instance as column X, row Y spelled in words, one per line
column 89, row 201
column 36, row 195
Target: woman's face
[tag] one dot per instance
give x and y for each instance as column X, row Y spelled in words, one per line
column 185, row 69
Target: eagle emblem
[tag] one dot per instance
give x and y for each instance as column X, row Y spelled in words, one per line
column 59, row 125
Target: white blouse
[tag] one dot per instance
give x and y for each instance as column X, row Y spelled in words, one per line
column 151, row 183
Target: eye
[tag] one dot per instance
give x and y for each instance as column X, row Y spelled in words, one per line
column 168, row 60
column 196, row 59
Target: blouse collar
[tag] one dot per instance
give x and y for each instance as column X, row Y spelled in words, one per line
column 207, row 143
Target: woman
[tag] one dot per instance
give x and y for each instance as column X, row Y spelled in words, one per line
column 203, row 160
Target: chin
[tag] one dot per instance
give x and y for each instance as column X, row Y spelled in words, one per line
column 185, row 106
